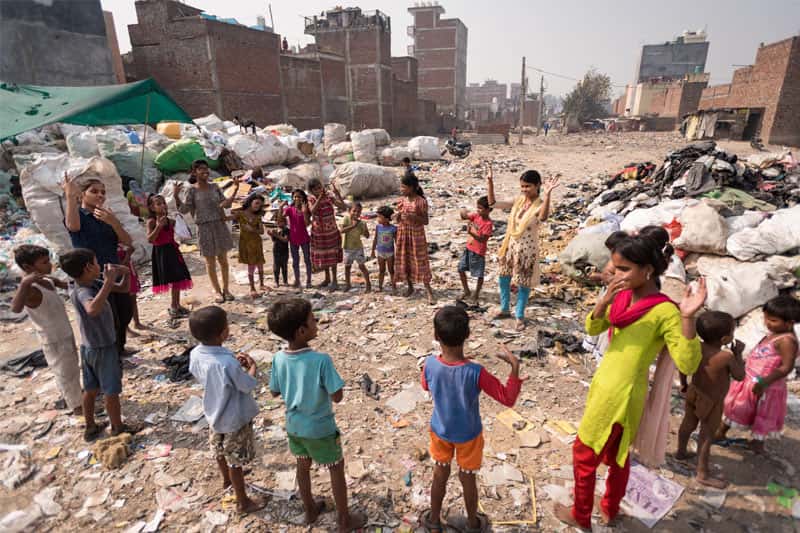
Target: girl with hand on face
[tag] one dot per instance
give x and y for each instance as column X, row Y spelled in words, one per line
column 326, row 241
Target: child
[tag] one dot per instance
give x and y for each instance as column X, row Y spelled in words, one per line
column 480, row 228
column 308, row 381
column 705, row 396
column 407, row 170
column 411, row 261
column 37, row 295
column 228, row 403
column 455, row 384
column 383, row 245
column 758, row 403
column 353, row 228
column 169, row 269
column 251, row 247
column 280, row 249
column 125, row 253
column 100, row 360
column 299, row 218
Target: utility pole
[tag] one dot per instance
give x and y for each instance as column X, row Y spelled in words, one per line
column 541, row 105
column 523, row 91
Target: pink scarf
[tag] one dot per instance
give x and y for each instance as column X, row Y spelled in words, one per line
column 622, row 314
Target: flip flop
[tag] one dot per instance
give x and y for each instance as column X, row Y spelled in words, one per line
column 322, row 508
column 357, row 521
column 91, row 433
column 460, row 523
column 430, row 527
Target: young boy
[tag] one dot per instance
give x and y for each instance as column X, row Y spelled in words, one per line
column 280, row 249
column 308, row 382
column 100, row 359
column 37, row 294
column 706, row 394
column 383, row 246
column 407, row 170
column 353, row 228
column 227, row 400
column 480, row 229
column 455, row 384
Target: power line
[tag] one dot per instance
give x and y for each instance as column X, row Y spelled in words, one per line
column 566, row 77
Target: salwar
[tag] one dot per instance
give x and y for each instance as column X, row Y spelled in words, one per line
column 523, row 294
column 584, row 467
column 62, row 358
column 122, row 306
column 295, row 250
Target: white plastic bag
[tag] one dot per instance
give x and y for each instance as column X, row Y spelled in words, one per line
column 182, row 232
column 425, row 148
column 381, row 136
column 661, row 214
column 775, row 235
column 340, row 149
column 82, row 144
column 703, row 230
column 334, row 133
column 735, row 287
column 363, row 147
column 363, row 180
column 258, row 151
column 393, row 155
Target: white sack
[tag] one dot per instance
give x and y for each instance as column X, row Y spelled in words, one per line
column 312, row 136
column 381, row 136
column 776, row 235
column 280, row 129
column 211, row 122
column 587, row 247
column 748, row 219
column 82, row 144
column 659, row 215
column 258, row 151
column 362, row 180
column 737, row 288
column 287, row 178
column 702, row 230
column 308, row 171
column 363, row 147
column 340, row 149
column 425, row 148
column 334, row 133
column 393, row 155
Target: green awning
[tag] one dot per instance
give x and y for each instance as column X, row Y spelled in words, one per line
column 25, row 107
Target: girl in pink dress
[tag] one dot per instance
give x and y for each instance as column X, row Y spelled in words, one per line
column 758, row 402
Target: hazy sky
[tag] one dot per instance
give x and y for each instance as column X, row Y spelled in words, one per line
column 564, row 37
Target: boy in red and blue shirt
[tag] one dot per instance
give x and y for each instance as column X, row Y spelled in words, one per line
column 473, row 260
column 455, row 384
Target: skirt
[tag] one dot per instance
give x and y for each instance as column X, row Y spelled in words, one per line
column 169, row 269
column 213, row 238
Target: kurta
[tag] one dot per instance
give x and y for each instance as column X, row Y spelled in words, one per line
column 411, row 260
column 251, row 247
column 619, row 387
column 521, row 260
column 326, row 241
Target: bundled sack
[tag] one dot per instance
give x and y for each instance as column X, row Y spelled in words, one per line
column 308, row 171
column 312, row 136
column 286, row 177
column 393, row 156
column 129, row 161
column 776, row 235
column 259, row 151
column 425, row 148
column 362, row 180
column 41, row 183
column 211, row 122
column 280, row 129
column 363, row 147
column 702, row 230
column 340, row 149
column 179, row 156
column 587, row 248
column 334, row 133
column 748, row 219
column 658, row 215
column 735, row 287
column 82, row 144
column 382, row 137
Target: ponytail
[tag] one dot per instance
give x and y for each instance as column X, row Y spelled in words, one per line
column 649, row 247
column 410, row 180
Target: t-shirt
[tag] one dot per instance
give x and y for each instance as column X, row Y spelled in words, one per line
column 96, row 331
column 97, row 236
column 385, row 235
column 280, row 247
column 227, row 401
column 352, row 239
column 455, row 388
column 482, row 227
column 298, row 233
column 306, row 380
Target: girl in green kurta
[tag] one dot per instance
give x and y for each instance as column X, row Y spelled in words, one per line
column 641, row 321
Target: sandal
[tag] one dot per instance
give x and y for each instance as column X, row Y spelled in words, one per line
column 428, row 526
column 220, row 299
column 92, row 432
column 502, row 315
column 131, row 429
column 461, row 523
column 229, row 297
column 322, row 508
column 357, row 521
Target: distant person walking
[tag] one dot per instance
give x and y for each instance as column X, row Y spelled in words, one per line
column 546, row 128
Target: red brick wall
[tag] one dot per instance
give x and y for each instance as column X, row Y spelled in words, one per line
column 423, row 19
column 404, row 113
column 302, row 92
column 438, row 38
column 716, row 96
column 334, row 78
column 437, row 78
column 405, row 68
column 786, row 122
column 657, row 102
column 428, row 122
column 442, row 97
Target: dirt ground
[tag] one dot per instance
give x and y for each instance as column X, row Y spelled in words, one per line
column 383, row 336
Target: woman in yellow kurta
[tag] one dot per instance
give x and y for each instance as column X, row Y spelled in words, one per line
column 641, row 321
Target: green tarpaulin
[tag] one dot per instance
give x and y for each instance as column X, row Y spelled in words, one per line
column 25, row 107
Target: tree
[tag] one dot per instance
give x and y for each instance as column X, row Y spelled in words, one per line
column 587, row 100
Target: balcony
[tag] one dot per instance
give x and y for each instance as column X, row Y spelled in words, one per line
column 411, row 31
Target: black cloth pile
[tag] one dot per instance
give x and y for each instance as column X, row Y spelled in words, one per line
column 178, row 366
column 24, row 366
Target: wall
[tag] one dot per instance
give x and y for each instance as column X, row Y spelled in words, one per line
column 301, row 92
column 113, row 47
column 61, row 44
column 428, row 120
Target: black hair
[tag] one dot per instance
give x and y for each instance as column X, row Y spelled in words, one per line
column 385, row 211
column 199, row 163
column 615, row 238
column 410, row 180
column 483, row 201
column 531, row 176
column 150, row 199
column 302, row 193
column 406, row 160
column 249, row 201
column 91, row 181
column 356, row 204
column 313, row 183
column 75, row 261
column 27, row 254
column 713, row 325
column 287, row 315
column 785, row 307
column 451, row 325
column 650, row 247
column 207, row 323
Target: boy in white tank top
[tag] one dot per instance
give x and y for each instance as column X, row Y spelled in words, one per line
column 37, row 294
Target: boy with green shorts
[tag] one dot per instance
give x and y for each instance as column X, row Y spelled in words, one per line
column 308, row 382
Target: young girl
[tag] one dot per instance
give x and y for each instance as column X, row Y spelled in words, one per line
column 383, row 245
column 642, row 322
column 169, row 269
column 280, row 249
column 326, row 242
column 758, row 402
column 251, row 247
column 411, row 258
column 299, row 217
column 125, row 252
column 207, row 205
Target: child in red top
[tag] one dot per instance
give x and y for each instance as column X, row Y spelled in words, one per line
column 480, row 229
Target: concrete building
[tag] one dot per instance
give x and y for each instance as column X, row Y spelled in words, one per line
column 61, row 42
column 672, row 60
column 405, row 96
column 206, row 65
column 440, row 46
column 486, row 101
column 364, row 40
column 765, row 96
column 113, row 47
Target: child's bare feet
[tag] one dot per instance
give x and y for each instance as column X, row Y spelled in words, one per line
column 408, row 292
column 254, row 294
column 139, row 325
column 564, row 513
column 502, row 315
column 466, row 294
column 684, row 456
column 520, row 324
column 708, row 481
column 757, row 447
column 313, row 514
column 250, row 505
column 369, row 288
column 132, row 333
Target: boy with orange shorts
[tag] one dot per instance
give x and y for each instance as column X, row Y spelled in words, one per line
column 455, row 384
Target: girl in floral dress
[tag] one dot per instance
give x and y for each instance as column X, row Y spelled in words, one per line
column 411, row 263
column 326, row 241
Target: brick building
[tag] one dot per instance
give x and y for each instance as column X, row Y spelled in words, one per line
column 440, row 46
column 673, row 60
column 486, row 101
column 208, row 66
column 404, row 95
column 766, row 95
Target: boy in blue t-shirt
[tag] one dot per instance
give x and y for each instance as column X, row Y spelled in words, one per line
column 308, row 381
column 455, row 384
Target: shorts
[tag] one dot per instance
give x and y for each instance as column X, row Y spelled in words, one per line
column 474, row 263
column 101, row 369
column 469, row 455
column 703, row 406
column 238, row 448
column 326, row 451
column 354, row 256
column 384, row 255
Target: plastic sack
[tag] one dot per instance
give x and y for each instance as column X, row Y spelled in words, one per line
column 308, row 171
column 363, row 147
column 587, row 248
column 748, row 219
column 776, row 235
column 211, row 122
column 425, row 148
column 258, row 151
column 182, row 232
column 382, row 137
column 340, row 149
column 362, row 180
column 280, row 129
column 703, row 230
column 658, row 215
column 82, row 144
column 734, row 287
column 334, row 133
column 312, row 136
column 285, row 177
column 393, row 156
column 169, row 129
